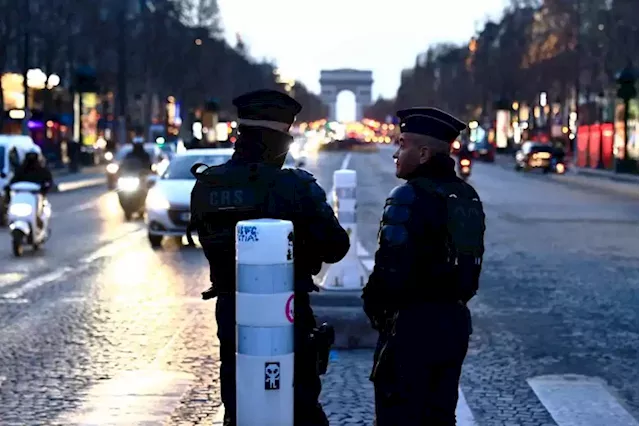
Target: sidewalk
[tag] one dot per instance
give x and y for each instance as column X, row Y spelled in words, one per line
column 602, row 180
column 86, row 177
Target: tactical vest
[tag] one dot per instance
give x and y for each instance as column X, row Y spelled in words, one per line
column 222, row 196
column 464, row 237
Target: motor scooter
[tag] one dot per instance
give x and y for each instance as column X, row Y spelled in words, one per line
column 464, row 168
column 132, row 193
column 24, row 224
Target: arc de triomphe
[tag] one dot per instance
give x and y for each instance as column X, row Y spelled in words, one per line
column 358, row 82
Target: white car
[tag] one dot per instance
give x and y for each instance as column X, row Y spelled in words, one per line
column 168, row 202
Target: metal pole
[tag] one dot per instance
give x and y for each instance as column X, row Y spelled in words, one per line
column 577, row 73
column 122, row 73
column 25, row 63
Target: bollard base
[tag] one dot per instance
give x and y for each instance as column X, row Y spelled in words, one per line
column 349, row 274
column 343, row 310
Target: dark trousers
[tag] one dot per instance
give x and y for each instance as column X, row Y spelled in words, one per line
column 307, row 385
column 432, row 402
column 418, row 378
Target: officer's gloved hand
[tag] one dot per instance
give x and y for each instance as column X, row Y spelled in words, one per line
column 210, row 293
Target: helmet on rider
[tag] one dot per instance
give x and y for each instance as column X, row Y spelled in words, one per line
column 32, row 158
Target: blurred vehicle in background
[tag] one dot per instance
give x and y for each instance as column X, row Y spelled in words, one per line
column 168, row 202
column 479, row 143
column 132, row 192
column 464, row 168
column 158, row 161
column 13, row 149
column 538, row 155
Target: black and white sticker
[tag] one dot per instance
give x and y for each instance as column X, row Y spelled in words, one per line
column 271, row 375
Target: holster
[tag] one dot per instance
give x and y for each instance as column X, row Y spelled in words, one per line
column 210, row 293
column 322, row 339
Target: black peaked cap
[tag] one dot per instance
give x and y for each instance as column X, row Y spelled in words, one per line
column 267, row 105
column 430, row 122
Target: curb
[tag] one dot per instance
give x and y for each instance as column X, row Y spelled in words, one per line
column 79, row 184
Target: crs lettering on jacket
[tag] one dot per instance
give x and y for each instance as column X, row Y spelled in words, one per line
column 226, row 198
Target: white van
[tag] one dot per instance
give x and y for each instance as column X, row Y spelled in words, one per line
column 13, row 149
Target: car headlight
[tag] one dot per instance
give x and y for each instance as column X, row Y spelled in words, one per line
column 112, row 168
column 108, row 155
column 128, row 184
column 20, row 210
column 156, row 201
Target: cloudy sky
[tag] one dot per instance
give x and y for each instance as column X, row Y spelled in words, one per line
column 306, row 36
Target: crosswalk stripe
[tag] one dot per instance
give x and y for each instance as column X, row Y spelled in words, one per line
column 574, row 400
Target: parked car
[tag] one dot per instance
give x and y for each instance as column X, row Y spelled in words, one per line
column 539, row 155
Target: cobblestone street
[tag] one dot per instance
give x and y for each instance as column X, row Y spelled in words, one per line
column 98, row 326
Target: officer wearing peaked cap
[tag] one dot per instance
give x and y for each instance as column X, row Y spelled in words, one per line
column 431, row 243
column 268, row 191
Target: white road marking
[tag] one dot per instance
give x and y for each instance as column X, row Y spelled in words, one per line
column 574, row 400
column 464, row 416
column 4, row 301
column 132, row 397
column 10, row 278
column 108, row 250
column 36, row 283
column 345, row 161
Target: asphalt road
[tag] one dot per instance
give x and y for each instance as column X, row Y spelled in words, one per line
column 97, row 325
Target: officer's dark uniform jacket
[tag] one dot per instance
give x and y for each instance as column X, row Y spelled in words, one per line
column 414, row 299
column 242, row 190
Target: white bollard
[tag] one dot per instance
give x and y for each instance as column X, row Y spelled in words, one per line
column 349, row 273
column 264, row 322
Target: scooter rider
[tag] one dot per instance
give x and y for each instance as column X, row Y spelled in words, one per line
column 138, row 160
column 33, row 170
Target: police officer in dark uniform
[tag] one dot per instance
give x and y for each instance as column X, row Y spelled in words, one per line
column 431, row 243
column 261, row 188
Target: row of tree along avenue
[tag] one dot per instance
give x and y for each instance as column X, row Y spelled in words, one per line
column 538, row 55
column 134, row 56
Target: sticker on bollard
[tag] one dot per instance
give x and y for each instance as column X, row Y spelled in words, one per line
column 288, row 309
column 248, row 234
column 347, row 193
column 271, row 375
column 290, row 246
